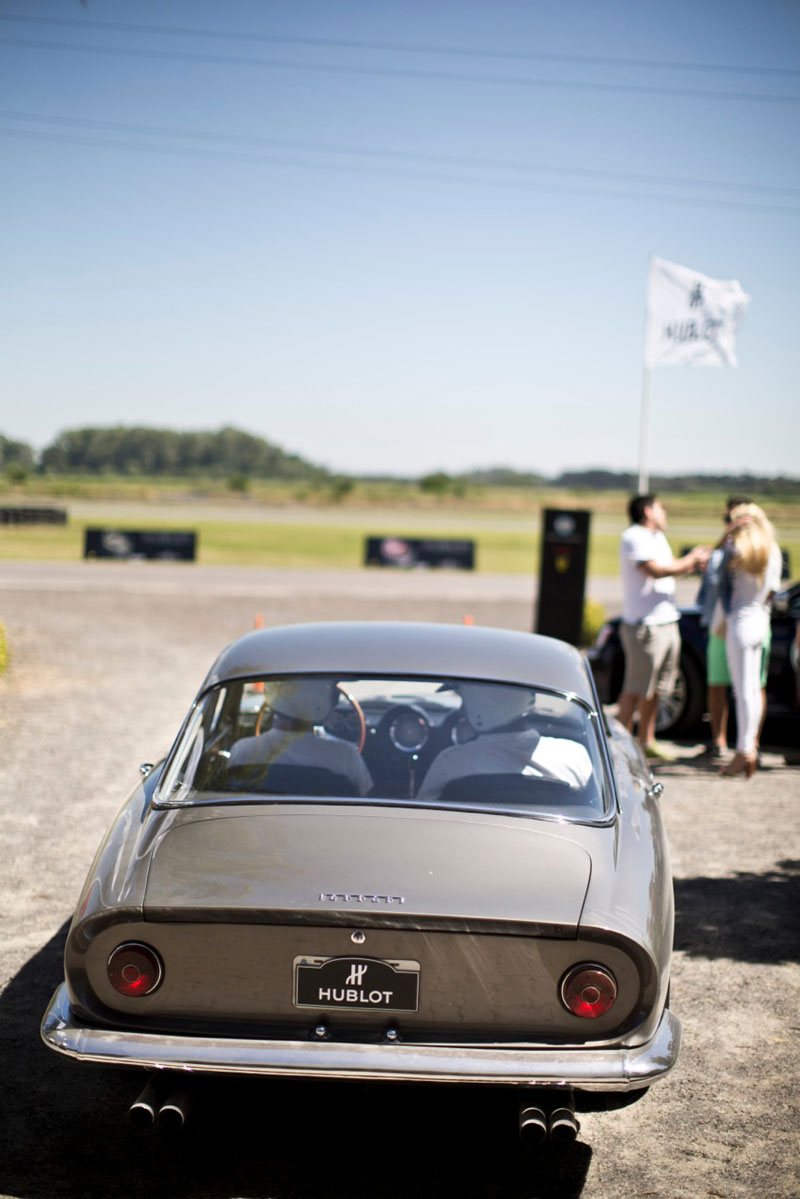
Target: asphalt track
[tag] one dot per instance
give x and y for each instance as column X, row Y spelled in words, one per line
column 105, row 660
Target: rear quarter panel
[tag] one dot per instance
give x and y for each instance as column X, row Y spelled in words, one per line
column 631, row 891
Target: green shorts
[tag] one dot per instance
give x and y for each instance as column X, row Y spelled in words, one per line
column 717, row 673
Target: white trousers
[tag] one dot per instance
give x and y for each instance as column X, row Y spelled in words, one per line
column 745, row 645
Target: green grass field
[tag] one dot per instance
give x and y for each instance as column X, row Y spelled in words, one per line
column 277, row 529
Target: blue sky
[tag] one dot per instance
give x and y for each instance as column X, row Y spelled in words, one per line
column 399, row 236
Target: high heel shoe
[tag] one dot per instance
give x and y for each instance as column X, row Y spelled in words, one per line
column 740, row 764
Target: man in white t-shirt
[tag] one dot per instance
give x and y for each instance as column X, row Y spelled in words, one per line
column 649, row 628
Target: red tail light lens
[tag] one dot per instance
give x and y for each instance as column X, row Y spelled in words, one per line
column 134, row 969
column 588, row 990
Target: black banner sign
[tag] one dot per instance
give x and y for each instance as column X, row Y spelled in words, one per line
column 33, row 516
column 410, row 552
column 133, row 543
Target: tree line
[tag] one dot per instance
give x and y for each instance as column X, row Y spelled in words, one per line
column 128, row 450
column 607, row 480
column 233, row 454
column 597, row 479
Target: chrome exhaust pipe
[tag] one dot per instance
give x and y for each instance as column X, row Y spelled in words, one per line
column 532, row 1124
column 174, row 1111
column 562, row 1124
column 144, row 1109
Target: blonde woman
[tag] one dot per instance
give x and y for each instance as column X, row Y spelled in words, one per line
column 753, row 577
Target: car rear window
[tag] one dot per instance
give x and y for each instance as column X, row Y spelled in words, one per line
column 439, row 742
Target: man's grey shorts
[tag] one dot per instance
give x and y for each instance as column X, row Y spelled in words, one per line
column 651, row 657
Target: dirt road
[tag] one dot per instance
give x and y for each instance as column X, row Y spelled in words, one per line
column 104, row 664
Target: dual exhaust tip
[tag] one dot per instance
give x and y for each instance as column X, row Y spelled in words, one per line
column 538, row 1124
column 157, row 1104
column 168, row 1106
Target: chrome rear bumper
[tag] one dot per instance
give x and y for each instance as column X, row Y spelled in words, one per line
column 589, row 1069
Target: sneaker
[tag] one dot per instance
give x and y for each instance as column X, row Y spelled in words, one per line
column 658, row 753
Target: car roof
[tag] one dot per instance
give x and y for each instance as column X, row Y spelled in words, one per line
column 406, row 648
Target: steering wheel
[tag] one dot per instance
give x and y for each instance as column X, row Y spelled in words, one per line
column 265, row 707
column 359, row 711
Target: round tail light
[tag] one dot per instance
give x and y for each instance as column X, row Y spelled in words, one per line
column 134, row 969
column 588, row 990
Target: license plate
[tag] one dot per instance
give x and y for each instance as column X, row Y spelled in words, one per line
column 360, row 984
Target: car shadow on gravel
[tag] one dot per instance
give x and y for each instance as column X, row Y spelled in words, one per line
column 63, row 1131
column 746, row 917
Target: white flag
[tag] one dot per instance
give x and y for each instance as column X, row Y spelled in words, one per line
column 691, row 320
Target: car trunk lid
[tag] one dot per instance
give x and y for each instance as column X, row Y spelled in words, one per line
column 327, row 864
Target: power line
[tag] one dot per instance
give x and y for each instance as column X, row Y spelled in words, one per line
column 399, row 72
column 460, row 160
column 396, row 47
column 425, row 176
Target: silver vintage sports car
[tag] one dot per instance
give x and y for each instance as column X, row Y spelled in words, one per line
column 384, row 851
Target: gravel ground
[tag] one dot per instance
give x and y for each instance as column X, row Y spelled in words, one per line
column 104, row 664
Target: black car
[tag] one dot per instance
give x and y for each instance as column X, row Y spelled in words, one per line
column 683, row 711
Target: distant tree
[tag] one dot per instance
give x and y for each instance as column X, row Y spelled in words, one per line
column 17, row 454
column 596, row 479
column 502, row 476
column 437, row 483
column 339, row 487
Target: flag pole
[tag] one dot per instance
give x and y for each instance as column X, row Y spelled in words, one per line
column 644, row 428
column 644, row 412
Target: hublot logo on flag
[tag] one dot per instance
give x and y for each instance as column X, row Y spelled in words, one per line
column 692, row 319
